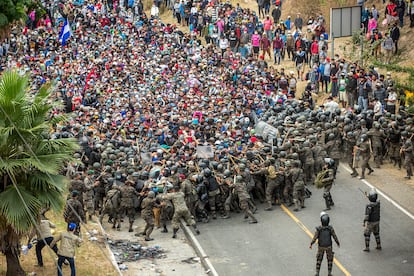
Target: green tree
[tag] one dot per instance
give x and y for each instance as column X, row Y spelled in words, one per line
column 30, row 162
column 11, row 10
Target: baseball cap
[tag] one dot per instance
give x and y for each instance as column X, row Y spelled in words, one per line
column 71, row 226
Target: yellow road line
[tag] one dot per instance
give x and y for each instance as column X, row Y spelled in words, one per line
column 310, row 234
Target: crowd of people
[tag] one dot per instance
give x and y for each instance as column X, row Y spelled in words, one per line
column 165, row 119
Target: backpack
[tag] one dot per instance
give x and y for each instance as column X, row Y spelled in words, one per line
column 271, row 170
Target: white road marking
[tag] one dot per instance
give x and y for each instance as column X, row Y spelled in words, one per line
column 390, row 200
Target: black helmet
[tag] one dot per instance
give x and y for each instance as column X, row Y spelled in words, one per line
column 220, row 167
column 324, row 219
column 199, row 179
column 144, row 175
column 167, row 172
column 207, row 172
column 372, row 196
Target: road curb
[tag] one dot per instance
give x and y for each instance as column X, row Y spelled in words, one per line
column 111, row 254
column 205, row 261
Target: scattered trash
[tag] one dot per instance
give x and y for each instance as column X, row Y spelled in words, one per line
column 93, row 239
column 123, row 267
column 191, row 260
column 127, row 251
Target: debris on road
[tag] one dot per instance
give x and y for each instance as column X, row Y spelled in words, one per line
column 127, row 251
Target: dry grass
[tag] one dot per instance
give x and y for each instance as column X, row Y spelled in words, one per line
column 91, row 259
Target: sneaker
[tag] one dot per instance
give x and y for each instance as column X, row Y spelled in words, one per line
column 197, row 232
column 366, row 249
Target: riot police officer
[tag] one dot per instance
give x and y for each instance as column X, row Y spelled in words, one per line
column 372, row 220
column 324, row 235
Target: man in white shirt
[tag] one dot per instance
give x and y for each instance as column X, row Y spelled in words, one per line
column 330, row 105
column 155, row 12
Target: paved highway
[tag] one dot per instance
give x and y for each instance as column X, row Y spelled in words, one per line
column 279, row 243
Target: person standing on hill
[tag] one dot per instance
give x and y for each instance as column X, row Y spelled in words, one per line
column 395, row 35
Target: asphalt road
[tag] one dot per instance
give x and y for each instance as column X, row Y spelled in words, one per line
column 279, row 243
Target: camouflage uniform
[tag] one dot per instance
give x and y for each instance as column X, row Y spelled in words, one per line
column 111, row 206
column 180, row 211
column 128, row 195
column 324, row 235
column 297, row 179
column 407, row 149
column 377, row 139
column 394, row 137
column 89, row 196
column 147, row 214
column 365, row 153
column 190, row 195
column 349, row 144
column 79, row 186
column 73, row 212
column 243, row 195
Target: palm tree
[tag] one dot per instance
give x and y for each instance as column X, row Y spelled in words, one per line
column 30, row 162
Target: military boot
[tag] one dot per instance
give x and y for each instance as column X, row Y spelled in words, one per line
column 362, row 174
column 378, row 244
column 269, row 207
column 196, row 229
column 296, row 209
column 370, row 171
column 327, row 204
column 354, row 173
column 366, row 246
column 130, row 228
column 175, row 230
column 226, row 215
column 164, row 229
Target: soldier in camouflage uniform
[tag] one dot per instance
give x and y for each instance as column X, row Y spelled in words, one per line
column 377, row 137
column 364, row 150
column 190, row 195
column 372, row 220
column 324, row 235
column 327, row 181
column 77, row 184
column 394, row 137
column 128, row 196
column 73, row 212
column 240, row 190
column 273, row 178
column 89, row 194
column 180, row 210
column 111, row 207
column 349, row 145
column 407, row 151
column 309, row 162
column 297, row 178
column 147, row 214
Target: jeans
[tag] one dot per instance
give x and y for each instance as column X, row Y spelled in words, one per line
column 363, row 103
column 71, row 261
column 243, row 51
column 276, row 53
column 39, row 246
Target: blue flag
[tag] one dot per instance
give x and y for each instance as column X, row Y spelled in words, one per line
column 65, row 33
